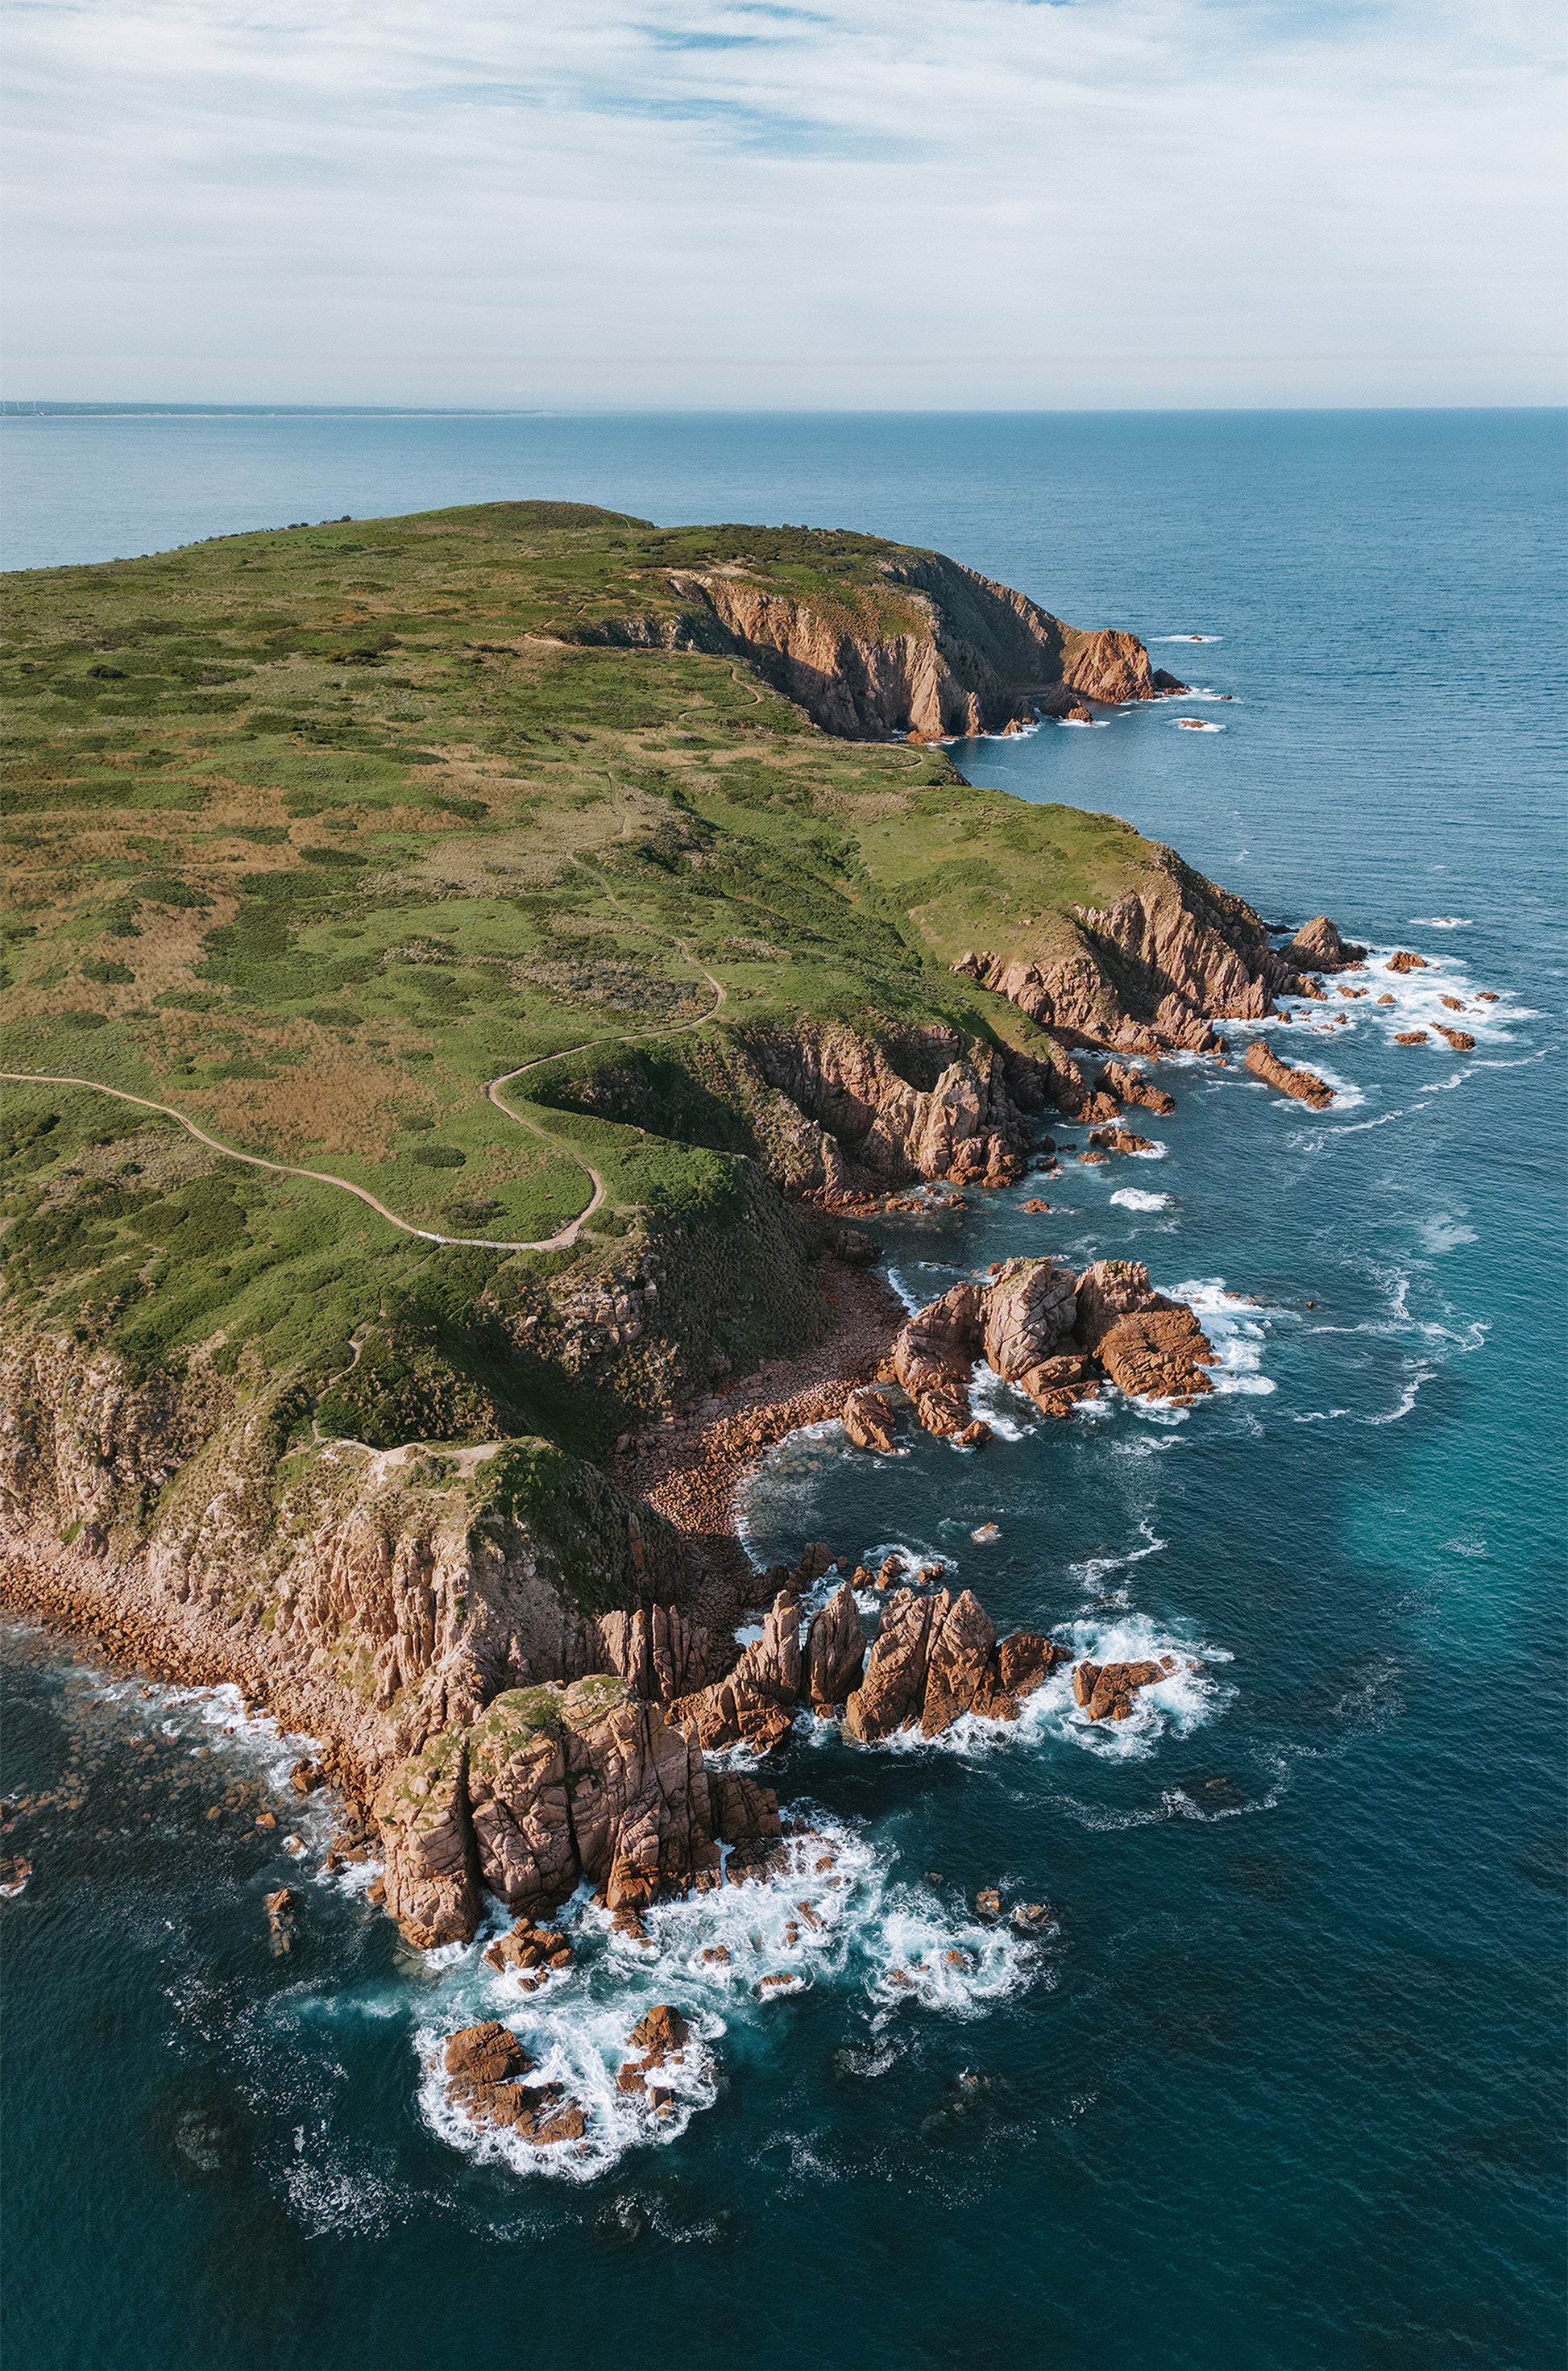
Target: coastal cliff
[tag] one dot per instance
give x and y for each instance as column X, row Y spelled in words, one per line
column 1152, row 972
column 950, row 653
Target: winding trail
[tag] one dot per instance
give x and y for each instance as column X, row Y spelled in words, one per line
column 563, row 1237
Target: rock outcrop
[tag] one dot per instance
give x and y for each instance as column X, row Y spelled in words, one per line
column 833, row 1111
column 485, row 2053
column 482, row 2064
column 518, row 1800
column 533, row 1952
column 427, row 1835
column 1151, row 971
column 1029, row 1307
column 745, row 1818
column 868, row 1418
column 937, row 1657
column 1147, row 1344
column 899, row 1108
column 1130, row 1086
column 1404, row 960
column 893, row 1692
column 1284, row 1079
column 658, row 1652
column 836, row 1652
column 1053, row 1335
column 933, row 1358
column 1105, row 1691
column 1318, row 946
column 551, row 1786
column 1118, row 1140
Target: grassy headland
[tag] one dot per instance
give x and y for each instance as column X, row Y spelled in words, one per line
column 310, row 835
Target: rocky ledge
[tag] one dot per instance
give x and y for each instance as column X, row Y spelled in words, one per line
column 1304, row 1085
column 1055, row 1335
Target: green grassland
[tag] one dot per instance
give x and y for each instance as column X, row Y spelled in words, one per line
column 310, row 834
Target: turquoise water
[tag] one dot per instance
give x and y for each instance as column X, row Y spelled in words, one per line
column 1280, row 2084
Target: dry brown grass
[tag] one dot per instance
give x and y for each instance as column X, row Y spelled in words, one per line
column 336, row 1102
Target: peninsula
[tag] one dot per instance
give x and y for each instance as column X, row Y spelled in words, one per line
column 464, row 975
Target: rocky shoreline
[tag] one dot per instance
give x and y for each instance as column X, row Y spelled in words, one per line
column 406, row 1603
column 692, row 1469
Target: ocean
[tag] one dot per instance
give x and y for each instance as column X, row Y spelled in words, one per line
column 1276, row 2084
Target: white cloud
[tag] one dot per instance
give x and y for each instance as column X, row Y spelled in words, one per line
column 938, row 202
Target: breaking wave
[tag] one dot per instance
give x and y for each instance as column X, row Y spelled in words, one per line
column 839, row 1915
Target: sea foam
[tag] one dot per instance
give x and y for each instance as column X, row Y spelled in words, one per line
column 873, row 1935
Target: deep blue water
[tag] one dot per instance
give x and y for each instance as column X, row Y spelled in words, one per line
column 1282, row 2087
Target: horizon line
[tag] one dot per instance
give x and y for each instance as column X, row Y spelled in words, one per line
column 47, row 408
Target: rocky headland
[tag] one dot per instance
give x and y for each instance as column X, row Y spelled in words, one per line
column 944, row 655
column 440, row 1468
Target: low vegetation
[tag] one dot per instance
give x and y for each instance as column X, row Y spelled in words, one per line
column 310, row 835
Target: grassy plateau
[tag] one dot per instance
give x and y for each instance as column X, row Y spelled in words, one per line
column 312, row 836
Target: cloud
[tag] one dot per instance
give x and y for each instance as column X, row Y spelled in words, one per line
column 941, row 202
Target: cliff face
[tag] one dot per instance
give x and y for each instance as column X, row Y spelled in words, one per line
column 381, row 1595
column 962, row 655
column 826, row 1108
column 1151, row 971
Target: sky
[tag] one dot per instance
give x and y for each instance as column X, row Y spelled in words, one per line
column 885, row 204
